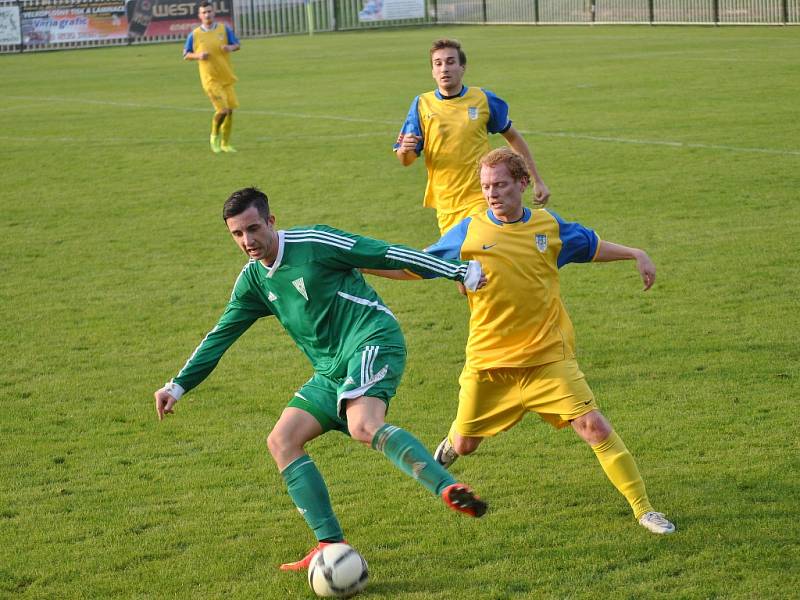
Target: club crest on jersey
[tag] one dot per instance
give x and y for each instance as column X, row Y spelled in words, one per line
column 472, row 111
column 300, row 286
column 541, row 242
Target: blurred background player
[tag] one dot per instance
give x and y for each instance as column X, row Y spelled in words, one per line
column 308, row 279
column 520, row 354
column 210, row 45
column 451, row 125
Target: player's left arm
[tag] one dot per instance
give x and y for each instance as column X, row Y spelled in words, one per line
column 609, row 251
column 379, row 256
column 233, row 44
column 447, row 247
column 581, row 244
column 500, row 123
column 541, row 193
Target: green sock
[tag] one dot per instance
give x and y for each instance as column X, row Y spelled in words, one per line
column 310, row 495
column 410, row 456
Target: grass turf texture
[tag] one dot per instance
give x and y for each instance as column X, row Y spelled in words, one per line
column 115, row 263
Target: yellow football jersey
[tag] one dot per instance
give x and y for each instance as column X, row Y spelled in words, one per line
column 455, row 134
column 217, row 68
column 518, row 319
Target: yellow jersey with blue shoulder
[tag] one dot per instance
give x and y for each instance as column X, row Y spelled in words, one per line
column 455, row 134
column 216, row 70
column 518, row 318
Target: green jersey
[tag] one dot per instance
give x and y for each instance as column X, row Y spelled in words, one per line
column 315, row 290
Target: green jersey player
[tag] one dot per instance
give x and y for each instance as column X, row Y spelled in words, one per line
column 309, row 279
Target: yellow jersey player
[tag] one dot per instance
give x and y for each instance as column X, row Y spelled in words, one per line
column 210, row 45
column 451, row 126
column 520, row 354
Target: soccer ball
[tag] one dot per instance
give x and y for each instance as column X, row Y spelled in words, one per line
column 337, row 571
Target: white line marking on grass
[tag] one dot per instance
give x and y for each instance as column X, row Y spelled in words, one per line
column 602, row 138
column 560, row 134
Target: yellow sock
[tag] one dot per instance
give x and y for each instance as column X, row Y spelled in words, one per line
column 621, row 469
column 225, row 128
column 215, row 123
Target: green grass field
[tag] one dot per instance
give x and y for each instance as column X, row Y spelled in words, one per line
column 115, row 263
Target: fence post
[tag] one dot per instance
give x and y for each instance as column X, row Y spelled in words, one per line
column 715, row 9
column 309, row 17
column 536, row 11
column 785, row 11
column 483, row 6
column 650, row 11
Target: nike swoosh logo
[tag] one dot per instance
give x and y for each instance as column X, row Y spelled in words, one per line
column 487, row 246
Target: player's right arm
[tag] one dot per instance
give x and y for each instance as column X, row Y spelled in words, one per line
column 233, row 323
column 242, row 311
column 410, row 140
column 189, row 52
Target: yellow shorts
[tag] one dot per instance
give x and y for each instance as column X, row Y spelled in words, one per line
column 223, row 97
column 446, row 220
column 495, row 400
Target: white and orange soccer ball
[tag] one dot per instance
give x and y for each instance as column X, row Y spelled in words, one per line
column 337, row 571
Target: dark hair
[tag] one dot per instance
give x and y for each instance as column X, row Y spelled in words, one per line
column 203, row 4
column 445, row 43
column 240, row 200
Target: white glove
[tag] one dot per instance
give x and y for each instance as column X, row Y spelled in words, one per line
column 473, row 276
column 173, row 389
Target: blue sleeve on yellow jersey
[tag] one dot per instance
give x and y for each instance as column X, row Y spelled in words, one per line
column 498, row 114
column 189, row 45
column 232, row 39
column 411, row 125
column 449, row 245
column 578, row 243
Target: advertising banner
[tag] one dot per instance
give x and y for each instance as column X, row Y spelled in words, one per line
column 9, row 25
column 391, row 10
column 60, row 21
column 153, row 18
column 75, row 21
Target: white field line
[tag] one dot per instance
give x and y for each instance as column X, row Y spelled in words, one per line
column 398, row 122
column 601, row 138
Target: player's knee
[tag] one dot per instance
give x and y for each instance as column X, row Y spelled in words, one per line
column 362, row 431
column 279, row 443
column 593, row 427
column 465, row 445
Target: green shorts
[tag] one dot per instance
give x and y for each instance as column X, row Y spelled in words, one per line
column 373, row 371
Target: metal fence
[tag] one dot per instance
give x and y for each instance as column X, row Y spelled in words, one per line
column 28, row 25
column 553, row 12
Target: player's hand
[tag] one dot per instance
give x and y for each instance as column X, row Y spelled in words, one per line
column 647, row 269
column 408, row 142
column 164, row 403
column 541, row 193
column 202, row 56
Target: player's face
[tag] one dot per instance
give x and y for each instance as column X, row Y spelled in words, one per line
column 446, row 70
column 255, row 236
column 502, row 192
column 206, row 14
